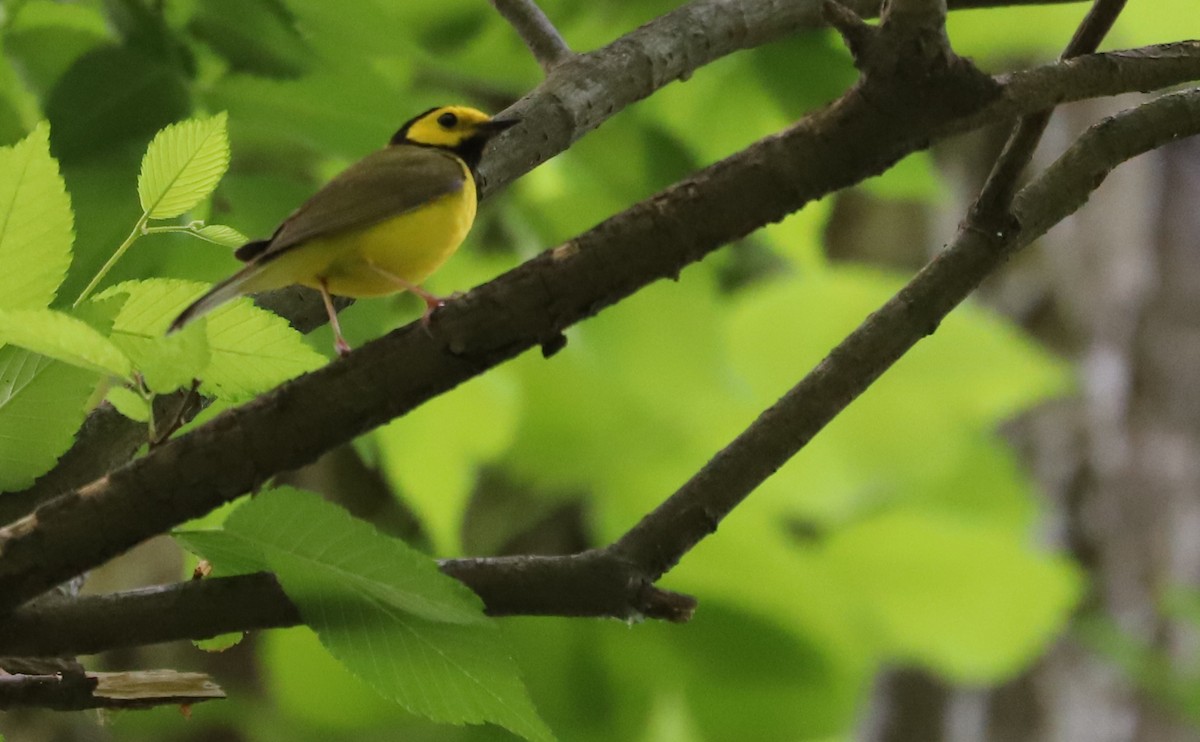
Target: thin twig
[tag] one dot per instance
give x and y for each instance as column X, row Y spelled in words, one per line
column 536, row 30
column 991, row 207
column 685, row 518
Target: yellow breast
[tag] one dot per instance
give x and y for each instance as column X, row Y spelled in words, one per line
column 410, row 246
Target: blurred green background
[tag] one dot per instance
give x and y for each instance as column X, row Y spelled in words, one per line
column 907, row 535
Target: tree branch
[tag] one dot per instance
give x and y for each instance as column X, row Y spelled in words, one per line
column 536, row 30
column 693, row 512
column 556, row 114
column 91, row 623
column 862, row 134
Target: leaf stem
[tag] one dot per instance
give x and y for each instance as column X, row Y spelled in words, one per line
column 139, row 229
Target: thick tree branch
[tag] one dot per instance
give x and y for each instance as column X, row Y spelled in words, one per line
column 536, row 30
column 578, row 97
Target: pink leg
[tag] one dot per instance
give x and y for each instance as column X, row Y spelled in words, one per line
column 432, row 301
column 339, row 342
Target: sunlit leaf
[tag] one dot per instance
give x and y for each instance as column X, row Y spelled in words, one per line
column 36, row 223
column 61, row 336
column 129, row 403
column 182, row 166
column 249, row 350
column 222, row 235
column 253, row 350
column 166, row 362
column 42, row 404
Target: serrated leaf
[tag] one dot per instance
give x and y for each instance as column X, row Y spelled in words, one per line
column 253, row 350
column 182, row 166
column 166, row 362
column 222, row 235
column 129, row 403
column 325, row 540
column 383, row 609
column 42, row 404
column 36, row 223
column 61, row 336
column 250, row 350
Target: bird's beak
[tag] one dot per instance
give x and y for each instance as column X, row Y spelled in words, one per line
column 494, row 126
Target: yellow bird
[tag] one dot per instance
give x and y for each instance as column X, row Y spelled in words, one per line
column 383, row 225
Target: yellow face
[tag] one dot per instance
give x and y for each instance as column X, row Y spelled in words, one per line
column 447, row 126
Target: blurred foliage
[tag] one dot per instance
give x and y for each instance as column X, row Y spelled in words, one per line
column 905, row 533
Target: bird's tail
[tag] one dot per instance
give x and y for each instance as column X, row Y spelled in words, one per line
column 230, row 288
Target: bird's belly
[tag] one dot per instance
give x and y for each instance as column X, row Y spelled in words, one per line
column 410, row 247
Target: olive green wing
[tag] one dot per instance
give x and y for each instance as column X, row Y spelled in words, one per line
column 382, row 185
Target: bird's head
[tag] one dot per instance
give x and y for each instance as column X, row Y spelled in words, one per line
column 460, row 129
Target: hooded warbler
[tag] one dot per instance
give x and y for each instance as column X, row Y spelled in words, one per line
column 382, row 225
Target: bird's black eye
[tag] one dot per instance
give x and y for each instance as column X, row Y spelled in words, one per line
column 448, row 120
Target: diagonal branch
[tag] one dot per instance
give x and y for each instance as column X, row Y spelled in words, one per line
column 85, row 625
column 536, row 30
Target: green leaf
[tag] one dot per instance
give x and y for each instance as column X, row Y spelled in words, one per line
column 971, row 601
column 253, row 350
column 36, row 223
column 42, row 404
column 61, row 336
column 182, row 166
column 129, row 403
column 383, row 609
column 166, row 362
column 220, row 642
column 327, row 543
column 250, row 350
column 222, row 235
